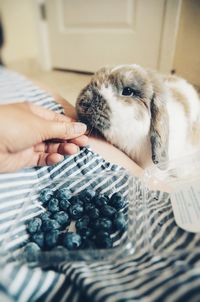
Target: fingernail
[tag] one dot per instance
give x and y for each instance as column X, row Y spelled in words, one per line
column 79, row 128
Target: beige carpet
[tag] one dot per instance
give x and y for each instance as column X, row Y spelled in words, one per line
column 67, row 84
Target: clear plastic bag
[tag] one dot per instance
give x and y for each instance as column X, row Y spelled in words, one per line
column 107, row 183
column 170, row 209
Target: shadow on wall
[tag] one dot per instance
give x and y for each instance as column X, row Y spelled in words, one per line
column 1, row 41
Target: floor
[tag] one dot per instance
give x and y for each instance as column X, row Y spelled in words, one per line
column 67, row 84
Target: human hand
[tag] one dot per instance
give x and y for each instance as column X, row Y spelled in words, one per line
column 26, row 131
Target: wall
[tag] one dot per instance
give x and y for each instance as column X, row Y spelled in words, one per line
column 20, row 30
column 187, row 54
column 22, row 39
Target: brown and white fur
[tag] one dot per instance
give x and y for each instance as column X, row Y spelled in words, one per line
column 159, row 121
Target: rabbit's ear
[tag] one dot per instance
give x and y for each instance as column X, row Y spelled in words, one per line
column 159, row 131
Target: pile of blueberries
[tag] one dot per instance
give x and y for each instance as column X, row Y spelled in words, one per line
column 95, row 216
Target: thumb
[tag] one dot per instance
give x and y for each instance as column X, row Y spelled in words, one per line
column 62, row 130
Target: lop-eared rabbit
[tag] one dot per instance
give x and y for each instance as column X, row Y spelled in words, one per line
column 149, row 116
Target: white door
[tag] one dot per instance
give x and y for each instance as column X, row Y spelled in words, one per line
column 87, row 34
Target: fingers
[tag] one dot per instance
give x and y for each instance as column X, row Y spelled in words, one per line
column 48, row 114
column 43, row 124
column 13, row 162
column 63, row 148
column 54, row 125
column 62, row 130
column 68, row 149
column 46, row 159
column 32, row 158
column 80, row 141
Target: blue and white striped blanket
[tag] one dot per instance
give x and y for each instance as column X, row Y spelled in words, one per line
column 143, row 277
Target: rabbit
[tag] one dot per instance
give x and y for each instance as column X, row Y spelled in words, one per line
column 151, row 117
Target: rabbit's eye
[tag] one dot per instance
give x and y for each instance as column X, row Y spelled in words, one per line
column 128, row 91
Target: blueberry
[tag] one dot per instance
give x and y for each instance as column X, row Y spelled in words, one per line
column 82, row 222
column 34, row 225
column 106, row 243
column 87, row 244
column 101, row 234
column 87, row 195
column 51, row 239
column 62, row 218
column 44, row 216
column 76, row 200
column 53, row 205
column 64, row 204
column 88, row 207
column 119, row 222
column 101, row 200
column 50, row 224
column 72, row 241
column 75, row 211
column 102, row 224
column 85, row 232
column 93, row 213
column 117, row 201
column 103, row 240
column 59, row 249
column 31, row 251
column 38, row 238
column 63, row 193
column 108, row 211
column 45, row 195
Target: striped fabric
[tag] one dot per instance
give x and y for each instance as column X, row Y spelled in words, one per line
column 168, row 271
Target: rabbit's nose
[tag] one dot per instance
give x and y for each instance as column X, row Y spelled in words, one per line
column 84, row 103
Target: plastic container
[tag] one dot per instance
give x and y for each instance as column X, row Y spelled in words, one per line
column 108, row 183
column 172, row 206
column 148, row 211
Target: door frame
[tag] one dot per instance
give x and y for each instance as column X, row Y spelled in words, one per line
column 170, row 25
column 169, row 32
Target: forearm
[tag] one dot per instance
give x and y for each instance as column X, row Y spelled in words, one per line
column 114, row 155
